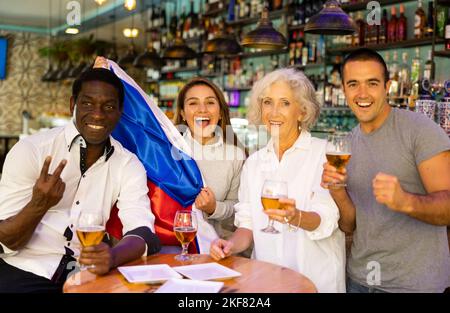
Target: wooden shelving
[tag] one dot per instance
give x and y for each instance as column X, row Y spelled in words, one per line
column 392, row 45
column 443, row 53
column 181, row 69
column 256, row 54
column 245, row 88
column 296, row 27
column 308, row 65
column 363, row 5
column 253, row 20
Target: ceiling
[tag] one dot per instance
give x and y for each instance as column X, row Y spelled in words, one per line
column 41, row 16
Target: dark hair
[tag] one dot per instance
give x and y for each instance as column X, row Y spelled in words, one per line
column 365, row 54
column 224, row 109
column 98, row 74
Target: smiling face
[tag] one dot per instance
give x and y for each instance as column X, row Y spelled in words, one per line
column 97, row 111
column 280, row 112
column 201, row 111
column 366, row 93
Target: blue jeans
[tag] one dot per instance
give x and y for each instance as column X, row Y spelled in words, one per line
column 354, row 287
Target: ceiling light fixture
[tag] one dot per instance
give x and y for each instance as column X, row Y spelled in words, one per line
column 130, row 32
column 130, row 5
column 72, row 30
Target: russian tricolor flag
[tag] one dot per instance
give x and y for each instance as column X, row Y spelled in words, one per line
column 174, row 179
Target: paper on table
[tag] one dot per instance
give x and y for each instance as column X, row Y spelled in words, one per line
column 189, row 286
column 148, row 273
column 206, row 271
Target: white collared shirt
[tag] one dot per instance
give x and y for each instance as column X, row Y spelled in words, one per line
column 117, row 177
column 318, row 254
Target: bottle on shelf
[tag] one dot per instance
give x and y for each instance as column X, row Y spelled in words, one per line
column 292, row 48
column 392, row 26
column 393, row 75
column 299, row 49
column 163, row 20
column 371, row 33
column 182, row 21
column 195, row 23
column 232, row 7
column 440, row 20
column 150, row 17
column 402, row 25
column 419, row 21
column 416, row 70
column 361, row 28
column 404, row 77
column 383, row 28
column 447, row 33
column 173, row 25
column 429, row 29
column 428, row 72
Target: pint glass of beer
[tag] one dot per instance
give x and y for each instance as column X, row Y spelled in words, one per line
column 90, row 230
column 338, row 153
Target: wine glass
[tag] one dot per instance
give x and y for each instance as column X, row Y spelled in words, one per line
column 185, row 229
column 272, row 191
column 90, row 230
column 338, row 153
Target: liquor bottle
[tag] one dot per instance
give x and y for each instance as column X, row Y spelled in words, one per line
column 428, row 72
column 361, row 28
column 402, row 25
column 383, row 31
column 371, row 34
column 173, row 25
column 429, row 29
column 150, row 17
column 232, row 10
column 292, row 48
column 393, row 74
column 300, row 44
column 189, row 22
column 194, row 30
column 440, row 21
column 276, row 4
column 404, row 78
column 163, row 23
column 447, row 33
column 312, row 52
column 416, row 67
column 181, row 20
column 392, row 26
column 419, row 21
column 305, row 51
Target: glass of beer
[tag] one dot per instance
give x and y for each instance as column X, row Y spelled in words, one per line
column 90, row 230
column 338, row 154
column 272, row 191
column 185, row 229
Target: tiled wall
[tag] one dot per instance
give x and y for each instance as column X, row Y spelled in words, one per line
column 22, row 89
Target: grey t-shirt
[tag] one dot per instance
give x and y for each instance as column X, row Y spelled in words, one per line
column 412, row 256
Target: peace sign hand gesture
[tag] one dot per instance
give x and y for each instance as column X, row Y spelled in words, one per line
column 49, row 188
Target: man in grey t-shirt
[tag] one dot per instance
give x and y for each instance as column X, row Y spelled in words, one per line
column 397, row 199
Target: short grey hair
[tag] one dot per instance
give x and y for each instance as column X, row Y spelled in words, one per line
column 301, row 86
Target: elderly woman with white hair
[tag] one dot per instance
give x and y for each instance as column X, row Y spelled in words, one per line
column 309, row 240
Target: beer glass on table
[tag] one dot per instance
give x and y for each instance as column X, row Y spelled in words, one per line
column 185, row 229
column 90, row 230
column 338, row 154
column 272, row 191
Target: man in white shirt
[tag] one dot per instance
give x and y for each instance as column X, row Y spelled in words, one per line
column 50, row 177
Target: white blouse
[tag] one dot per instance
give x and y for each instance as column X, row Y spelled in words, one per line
column 318, row 254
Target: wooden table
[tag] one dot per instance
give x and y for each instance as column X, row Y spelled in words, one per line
column 257, row 277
